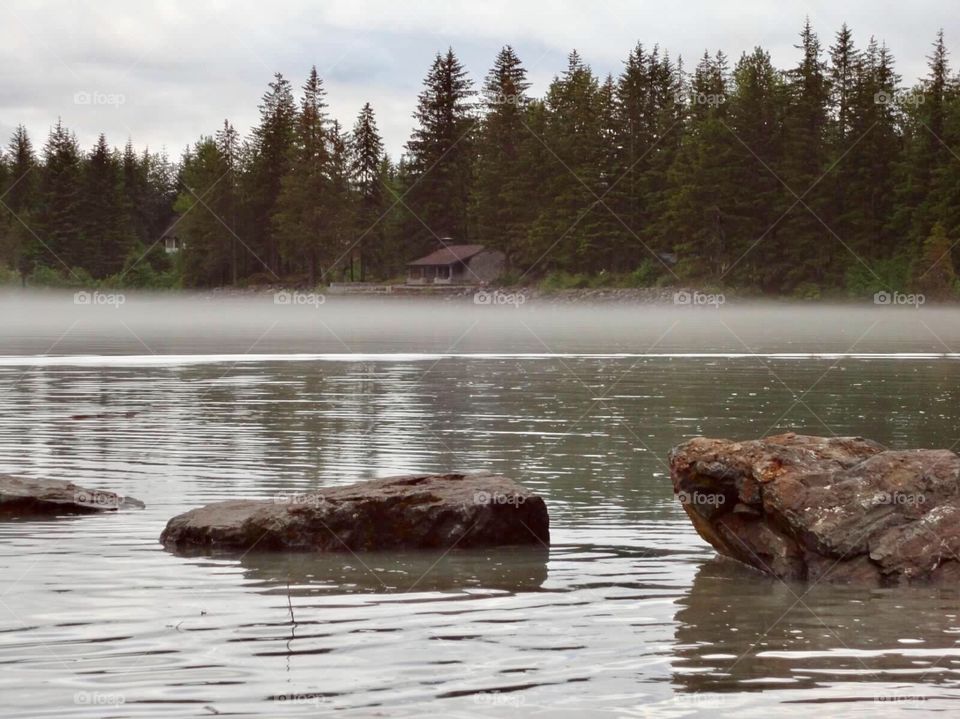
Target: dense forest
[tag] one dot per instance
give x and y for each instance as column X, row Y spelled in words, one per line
column 827, row 177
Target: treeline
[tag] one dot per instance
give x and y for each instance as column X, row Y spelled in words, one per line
column 823, row 177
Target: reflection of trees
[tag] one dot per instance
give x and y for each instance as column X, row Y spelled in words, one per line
column 736, row 625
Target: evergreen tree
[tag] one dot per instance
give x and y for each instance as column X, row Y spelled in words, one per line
column 367, row 177
column 572, row 135
column 103, row 218
column 60, row 231
column 704, row 199
column 301, row 218
column 340, row 207
column 271, row 150
column 752, row 202
column 933, row 273
column 227, row 140
column 501, row 194
column 207, row 253
column 18, row 193
column 814, row 251
column 440, row 155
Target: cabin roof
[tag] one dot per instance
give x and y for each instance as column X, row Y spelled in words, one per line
column 449, row 255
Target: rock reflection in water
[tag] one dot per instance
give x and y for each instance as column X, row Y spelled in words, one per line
column 739, row 630
column 511, row 569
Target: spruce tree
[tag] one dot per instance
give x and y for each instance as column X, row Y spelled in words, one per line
column 302, row 217
column 19, row 198
column 501, row 197
column 60, row 232
column 367, row 179
column 272, row 150
column 440, row 156
column 104, row 221
column 814, row 252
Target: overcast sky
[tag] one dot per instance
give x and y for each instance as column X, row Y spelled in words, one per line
column 163, row 73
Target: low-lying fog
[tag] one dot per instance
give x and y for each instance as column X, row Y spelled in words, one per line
column 62, row 323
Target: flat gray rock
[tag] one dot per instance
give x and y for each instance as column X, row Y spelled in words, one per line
column 409, row 512
column 23, row 497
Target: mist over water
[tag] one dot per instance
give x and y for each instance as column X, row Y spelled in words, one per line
column 53, row 323
column 181, row 400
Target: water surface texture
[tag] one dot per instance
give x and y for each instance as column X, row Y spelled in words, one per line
column 180, row 402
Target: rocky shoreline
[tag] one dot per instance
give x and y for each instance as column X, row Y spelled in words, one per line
column 492, row 295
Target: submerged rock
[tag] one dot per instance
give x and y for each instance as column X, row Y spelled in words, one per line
column 838, row 509
column 409, row 512
column 22, row 497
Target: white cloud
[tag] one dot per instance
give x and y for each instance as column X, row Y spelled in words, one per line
column 182, row 67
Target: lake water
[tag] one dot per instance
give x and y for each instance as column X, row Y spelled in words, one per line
column 628, row 614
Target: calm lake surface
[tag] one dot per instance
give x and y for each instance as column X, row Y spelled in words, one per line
column 627, row 614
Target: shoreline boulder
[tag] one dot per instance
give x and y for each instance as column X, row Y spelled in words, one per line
column 408, row 512
column 836, row 509
column 27, row 497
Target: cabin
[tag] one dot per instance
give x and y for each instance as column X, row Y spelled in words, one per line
column 456, row 265
column 171, row 239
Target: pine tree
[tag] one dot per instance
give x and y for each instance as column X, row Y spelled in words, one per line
column 844, row 70
column 814, row 252
column 207, row 251
column 440, row 155
column 367, row 178
column 227, row 140
column 339, row 207
column 19, row 197
column 271, row 150
column 753, row 203
column 60, row 229
column 501, row 197
column 104, row 221
column 561, row 234
column 301, row 218
column 933, row 273
column 920, row 188
column 704, row 198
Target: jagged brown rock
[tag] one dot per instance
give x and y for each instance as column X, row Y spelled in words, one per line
column 838, row 509
column 409, row 512
column 24, row 497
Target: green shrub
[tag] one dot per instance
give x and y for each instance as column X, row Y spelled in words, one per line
column 8, row 276
column 807, row 291
column 646, row 275
column 564, row 281
column 882, row 276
